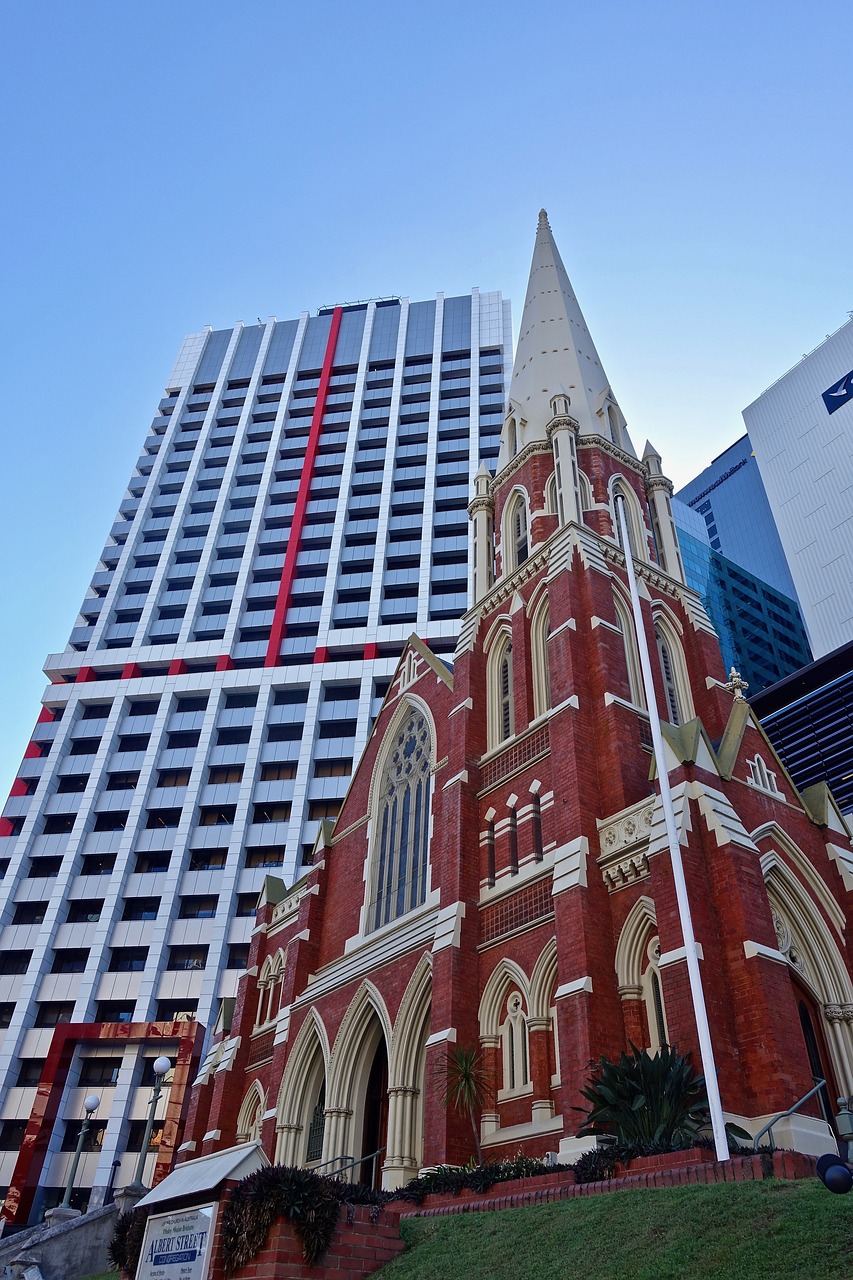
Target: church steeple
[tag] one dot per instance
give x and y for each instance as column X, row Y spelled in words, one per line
column 556, row 356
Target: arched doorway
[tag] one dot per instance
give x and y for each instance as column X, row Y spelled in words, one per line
column 820, row 1064
column 375, row 1127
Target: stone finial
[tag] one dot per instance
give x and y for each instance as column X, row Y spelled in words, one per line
column 735, row 684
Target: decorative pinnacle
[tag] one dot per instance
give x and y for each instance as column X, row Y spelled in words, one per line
column 735, row 684
column 543, row 217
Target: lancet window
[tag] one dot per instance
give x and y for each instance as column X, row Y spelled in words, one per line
column 403, row 824
column 516, row 1068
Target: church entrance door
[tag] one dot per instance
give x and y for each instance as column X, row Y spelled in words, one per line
column 375, row 1132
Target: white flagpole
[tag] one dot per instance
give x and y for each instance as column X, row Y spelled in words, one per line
column 696, row 992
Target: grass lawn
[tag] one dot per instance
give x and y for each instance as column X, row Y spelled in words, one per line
column 731, row 1231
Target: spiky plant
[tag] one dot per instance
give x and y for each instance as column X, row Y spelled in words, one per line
column 646, row 1098
column 467, row 1085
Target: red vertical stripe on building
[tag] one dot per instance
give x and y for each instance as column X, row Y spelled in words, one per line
column 288, row 571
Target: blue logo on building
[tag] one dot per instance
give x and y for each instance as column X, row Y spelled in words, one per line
column 839, row 394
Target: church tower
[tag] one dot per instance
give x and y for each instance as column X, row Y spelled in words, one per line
column 499, row 875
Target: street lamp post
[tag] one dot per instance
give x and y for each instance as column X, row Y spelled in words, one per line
column 161, row 1066
column 90, row 1106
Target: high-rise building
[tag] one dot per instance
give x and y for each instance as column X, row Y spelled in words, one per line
column 800, row 429
column 297, row 510
column 730, row 498
column 760, row 628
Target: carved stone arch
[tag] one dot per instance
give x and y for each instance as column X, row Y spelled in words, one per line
column 506, row 975
column 306, row 1068
column 807, row 944
column 585, row 489
column 502, row 623
column 637, row 531
column 250, row 1115
column 408, row 702
column 821, row 890
column 660, row 609
column 366, row 1005
column 412, row 1017
column 640, row 921
column 824, row 969
column 543, row 979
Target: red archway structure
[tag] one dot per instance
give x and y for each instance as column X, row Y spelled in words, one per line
column 66, row 1038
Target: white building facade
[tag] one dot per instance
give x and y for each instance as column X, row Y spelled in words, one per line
column 299, row 507
column 801, row 430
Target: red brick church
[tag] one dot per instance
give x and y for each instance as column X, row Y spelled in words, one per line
column 499, row 873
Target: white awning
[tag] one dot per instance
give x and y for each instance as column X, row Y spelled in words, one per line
column 206, row 1173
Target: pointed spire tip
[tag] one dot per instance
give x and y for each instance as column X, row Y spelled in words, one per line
column 543, row 217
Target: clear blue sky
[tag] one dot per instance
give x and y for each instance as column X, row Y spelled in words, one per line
column 170, row 164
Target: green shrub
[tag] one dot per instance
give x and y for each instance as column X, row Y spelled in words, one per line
column 308, row 1201
column 126, row 1244
column 647, row 1098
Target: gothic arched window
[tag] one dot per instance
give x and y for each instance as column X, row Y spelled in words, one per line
column 516, row 1068
column 505, row 717
column 625, row 623
column 653, row 998
column 515, row 541
column 403, row 824
column 670, row 687
column 540, row 629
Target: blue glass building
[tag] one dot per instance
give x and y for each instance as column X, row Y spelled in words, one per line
column 760, row 628
column 730, row 497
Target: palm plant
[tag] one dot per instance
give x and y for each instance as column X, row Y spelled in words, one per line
column 646, row 1098
column 467, row 1085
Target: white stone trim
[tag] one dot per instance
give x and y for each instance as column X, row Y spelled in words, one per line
column 448, row 926
column 751, row 949
column 678, row 954
column 570, row 865
column 447, row 1036
column 572, row 988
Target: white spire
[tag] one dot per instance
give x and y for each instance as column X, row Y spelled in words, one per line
column 556, row 355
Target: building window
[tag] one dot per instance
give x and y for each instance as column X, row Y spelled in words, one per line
column 515, row 541
column 761, row 777
column 668, row 673
column 679, row 705
column 317, row 1128
column 516, row 1070
column 402, row 840
column 500, row 686
column 653, row 998
column 540, row 629
column 625, row 623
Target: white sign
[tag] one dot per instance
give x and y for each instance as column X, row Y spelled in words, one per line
column 177, row 1246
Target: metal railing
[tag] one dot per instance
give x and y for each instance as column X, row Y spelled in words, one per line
column 782, row 1114
column 349, row 1162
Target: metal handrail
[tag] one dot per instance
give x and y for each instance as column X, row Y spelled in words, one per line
column 349, row 1163
column 782, row 1114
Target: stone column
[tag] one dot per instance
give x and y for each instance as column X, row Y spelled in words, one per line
column 481, row 512
column 287, row 1143
column 562, row 432
column 490, row 1119
column 538, row 1033
column 336, row 1135
column 401, row 1160
column 659, row 492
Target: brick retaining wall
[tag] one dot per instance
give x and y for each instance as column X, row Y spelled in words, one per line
column 561, row 1186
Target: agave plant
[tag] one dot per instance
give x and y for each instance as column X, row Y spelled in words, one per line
column 646, row 1098
column 467, row 1086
